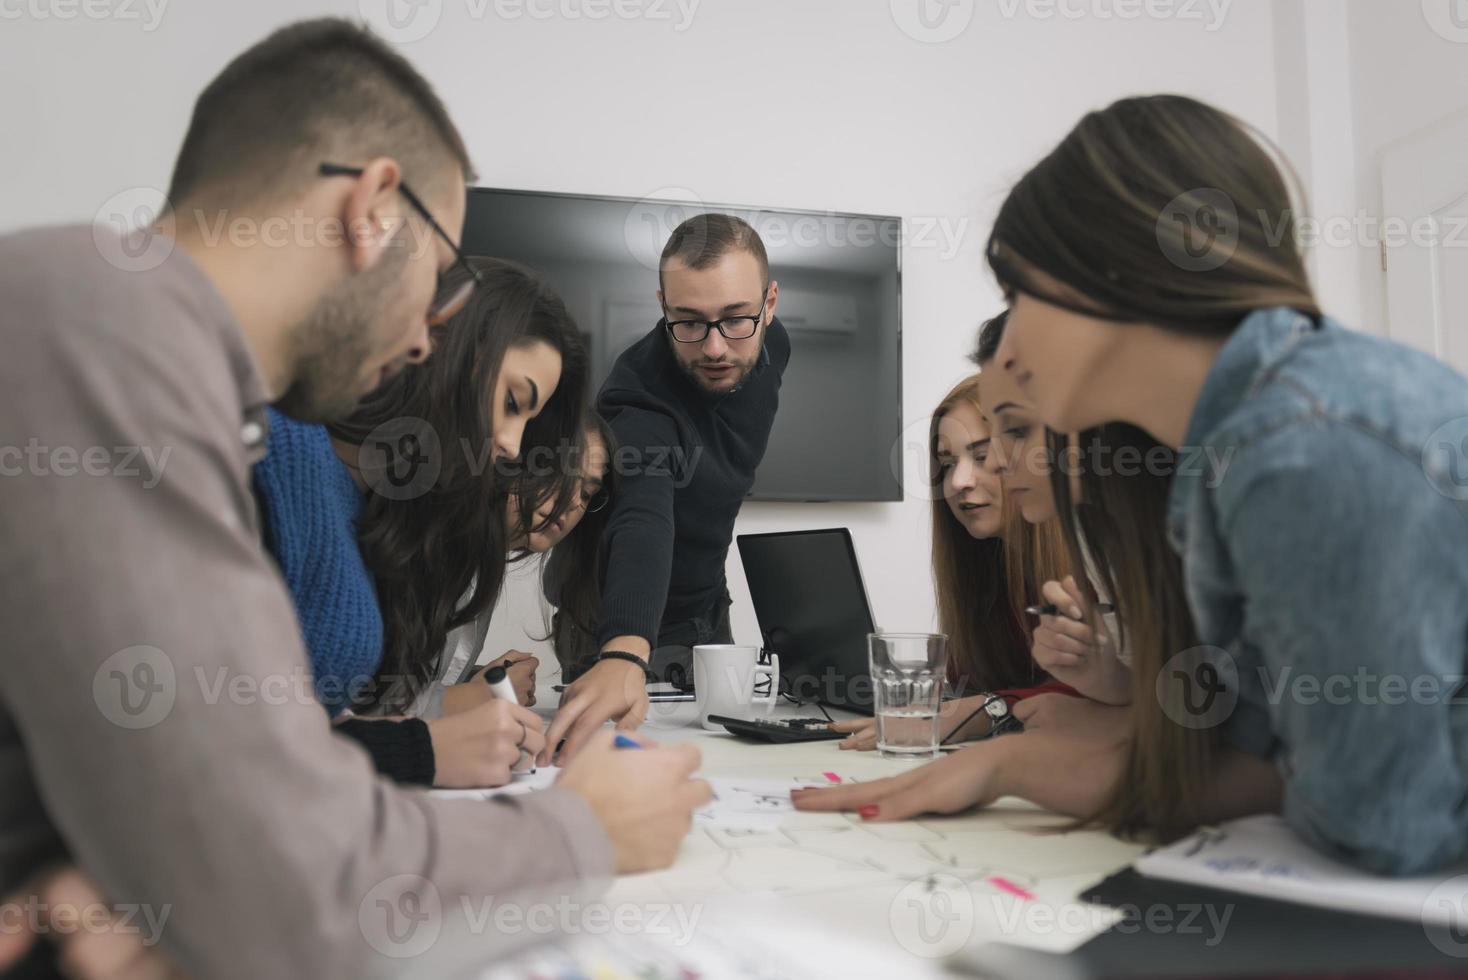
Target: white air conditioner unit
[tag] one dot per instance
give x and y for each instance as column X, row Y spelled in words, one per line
column 828, row 314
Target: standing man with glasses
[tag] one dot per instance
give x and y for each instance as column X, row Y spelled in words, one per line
column 692, row 405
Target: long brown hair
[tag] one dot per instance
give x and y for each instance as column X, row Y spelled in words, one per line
column 427, row 547
column 1034, row 553
column 1104, row 218
column 572, row 582
column 988, row 645
column 1113, row 216
column 1120, row 519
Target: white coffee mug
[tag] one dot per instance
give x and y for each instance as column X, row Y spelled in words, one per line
column 736, row 681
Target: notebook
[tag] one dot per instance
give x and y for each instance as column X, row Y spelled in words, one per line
column 1261, row 856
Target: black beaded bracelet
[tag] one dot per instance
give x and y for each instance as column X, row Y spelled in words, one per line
column 631, row 658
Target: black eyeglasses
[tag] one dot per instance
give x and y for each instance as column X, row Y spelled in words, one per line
column 730, row 327
column 448, row 298
column 597, row 501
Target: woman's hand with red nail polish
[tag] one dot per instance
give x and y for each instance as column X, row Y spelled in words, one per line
column 1062, row 773
column 956, row 782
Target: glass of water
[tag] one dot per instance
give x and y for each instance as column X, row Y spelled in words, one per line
column 907, row 691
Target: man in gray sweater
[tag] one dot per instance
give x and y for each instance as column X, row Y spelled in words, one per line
column 156, row 723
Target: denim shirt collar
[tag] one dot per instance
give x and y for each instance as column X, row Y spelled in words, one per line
column 1256, row 345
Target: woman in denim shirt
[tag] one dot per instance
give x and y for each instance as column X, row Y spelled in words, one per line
column 1318, row 506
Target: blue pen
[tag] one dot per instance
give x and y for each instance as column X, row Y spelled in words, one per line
column 623, row 742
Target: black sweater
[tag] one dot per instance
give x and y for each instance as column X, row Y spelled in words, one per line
column 685, row 462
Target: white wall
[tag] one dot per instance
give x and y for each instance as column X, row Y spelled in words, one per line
column 1317, row 135
column 1355, row 76
column 816, row 104
column 1408, row 71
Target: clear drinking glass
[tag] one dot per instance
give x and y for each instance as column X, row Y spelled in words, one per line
column 907, row 690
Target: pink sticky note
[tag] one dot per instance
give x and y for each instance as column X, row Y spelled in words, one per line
column 1010, row 888
column 832, row 777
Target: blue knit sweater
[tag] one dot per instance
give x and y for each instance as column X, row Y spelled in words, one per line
column 310, row 508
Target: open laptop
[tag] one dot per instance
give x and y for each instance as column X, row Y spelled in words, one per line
column 813, row 611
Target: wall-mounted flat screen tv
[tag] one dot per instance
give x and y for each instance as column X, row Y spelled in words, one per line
column 840, row 411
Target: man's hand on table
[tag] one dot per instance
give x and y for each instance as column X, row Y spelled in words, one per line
column 612, row 690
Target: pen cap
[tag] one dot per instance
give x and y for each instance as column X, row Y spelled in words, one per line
column 494, row 675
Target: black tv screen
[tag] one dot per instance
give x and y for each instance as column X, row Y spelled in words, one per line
column 841, row 403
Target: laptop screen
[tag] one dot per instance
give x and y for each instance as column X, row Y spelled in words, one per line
column 812, row 609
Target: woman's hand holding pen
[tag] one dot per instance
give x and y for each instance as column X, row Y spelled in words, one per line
column 1071, row 650
column 481, row 746
column 520, row 666
column 644, row 798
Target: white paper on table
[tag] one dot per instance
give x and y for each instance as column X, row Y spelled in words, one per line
column 521, row 782
column 1261, row 856
column 745, row 804
column 751, row 843
column 752, row 804
column 732, row 938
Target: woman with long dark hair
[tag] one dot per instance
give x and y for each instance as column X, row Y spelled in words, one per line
column 572, row 583
column 574, row 534
column 1155, row 281
column 390, row 527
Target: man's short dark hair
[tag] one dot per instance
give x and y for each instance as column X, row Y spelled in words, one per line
column 704, row 239
column 315, row 91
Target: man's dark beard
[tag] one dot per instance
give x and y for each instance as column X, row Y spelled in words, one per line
column 690, row 371
column 331, row 346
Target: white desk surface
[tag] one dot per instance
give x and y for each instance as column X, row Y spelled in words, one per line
column 894, row 884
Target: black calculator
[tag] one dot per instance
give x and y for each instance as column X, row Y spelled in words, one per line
column 779, row 730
